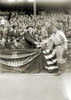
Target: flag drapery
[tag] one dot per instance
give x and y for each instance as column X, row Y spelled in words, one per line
column 27, row 60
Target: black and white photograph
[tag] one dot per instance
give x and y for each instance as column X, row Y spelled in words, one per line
column 35, row 49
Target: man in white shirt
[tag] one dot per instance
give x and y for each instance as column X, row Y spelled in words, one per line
column 60, row 42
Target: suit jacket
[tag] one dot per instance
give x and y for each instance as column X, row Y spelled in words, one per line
column 29, row 40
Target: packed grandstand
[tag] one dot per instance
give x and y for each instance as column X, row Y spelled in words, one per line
column 14, row 24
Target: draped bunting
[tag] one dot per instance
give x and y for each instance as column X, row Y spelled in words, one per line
column 27, row 60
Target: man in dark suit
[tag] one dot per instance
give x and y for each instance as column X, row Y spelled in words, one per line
column 30, row 41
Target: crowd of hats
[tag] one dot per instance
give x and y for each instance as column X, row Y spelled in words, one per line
column 13, row 29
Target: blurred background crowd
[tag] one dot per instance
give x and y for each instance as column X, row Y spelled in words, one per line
column 14, row 24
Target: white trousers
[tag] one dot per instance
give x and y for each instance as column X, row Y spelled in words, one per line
column 59, row 53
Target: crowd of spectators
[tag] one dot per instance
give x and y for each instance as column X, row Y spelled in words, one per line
column 13, row 25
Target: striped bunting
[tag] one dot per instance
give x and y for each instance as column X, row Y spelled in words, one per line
column 51, row 61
